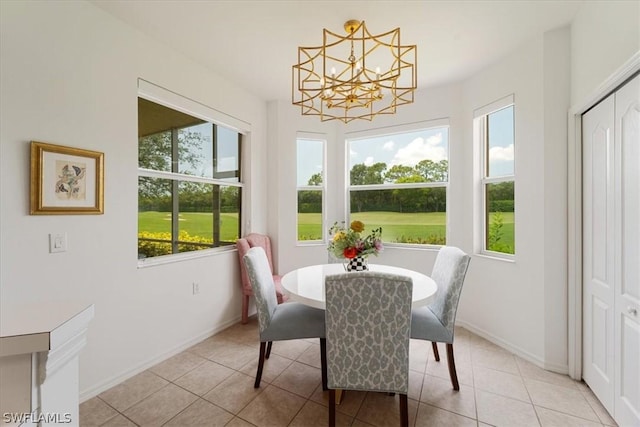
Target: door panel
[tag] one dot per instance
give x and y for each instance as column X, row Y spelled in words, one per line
column 627, row 288
column 598, row 251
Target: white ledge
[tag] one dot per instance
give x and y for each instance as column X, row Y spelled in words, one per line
column 33, row 328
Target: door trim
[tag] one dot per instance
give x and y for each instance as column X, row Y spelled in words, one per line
column 574, row 217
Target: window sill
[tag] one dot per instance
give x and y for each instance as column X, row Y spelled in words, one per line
column 169, row 259
column 497, row 257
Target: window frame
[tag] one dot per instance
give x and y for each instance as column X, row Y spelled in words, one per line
column 395, row 130
column 172, row 100
column 481, row 140
column 323, row 189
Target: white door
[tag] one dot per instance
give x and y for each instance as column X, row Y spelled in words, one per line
column 627, row 289
column 598, row 250
column 611, row 252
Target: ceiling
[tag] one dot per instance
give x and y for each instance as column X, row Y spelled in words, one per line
column 254, row 43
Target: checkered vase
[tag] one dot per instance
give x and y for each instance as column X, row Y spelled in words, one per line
column 358, row 263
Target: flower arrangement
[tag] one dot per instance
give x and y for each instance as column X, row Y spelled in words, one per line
column 350, row 243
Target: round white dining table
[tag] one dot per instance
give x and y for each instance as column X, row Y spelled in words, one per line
column 306, row 284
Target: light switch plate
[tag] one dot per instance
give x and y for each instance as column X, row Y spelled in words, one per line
column 57, row 242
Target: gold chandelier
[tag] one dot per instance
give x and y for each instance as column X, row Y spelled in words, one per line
column 356, row 76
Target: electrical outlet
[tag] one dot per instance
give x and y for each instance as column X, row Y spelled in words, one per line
column 195, row 288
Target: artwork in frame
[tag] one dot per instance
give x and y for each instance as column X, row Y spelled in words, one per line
column 66, row 180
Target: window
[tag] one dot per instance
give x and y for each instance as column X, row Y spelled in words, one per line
column 189, row 182
column 310, row 188
column 495, row 132
column 399, row 182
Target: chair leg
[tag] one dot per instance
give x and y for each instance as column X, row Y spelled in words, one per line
column 245, row 309
column 323, row 361
column 260, row 365
column 452, row 367
column 404, row 411
column 268, row 350
column 434, row 345
column 332, row 408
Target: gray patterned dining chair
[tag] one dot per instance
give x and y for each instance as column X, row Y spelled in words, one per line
column 280, row 322
column 435, row 322
column 368, row 320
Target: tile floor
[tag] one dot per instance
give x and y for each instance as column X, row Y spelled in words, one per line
column 211, row 384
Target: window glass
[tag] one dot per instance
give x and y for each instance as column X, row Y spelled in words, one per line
column 417, row 156
column 409, row 173
column 195, row 150
column 496, row 131
column 227, row 155
column 409, row 215
column 185, row 200
column 500, row 143
column 500, row 217
column 310, row 188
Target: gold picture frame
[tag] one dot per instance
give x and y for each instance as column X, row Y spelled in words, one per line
column 66, row 180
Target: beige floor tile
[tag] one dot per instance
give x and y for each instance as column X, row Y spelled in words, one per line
column 161, row 406
column 225, row 379
column 441, row 369
column 239, row 422
column 313, row 414
column 499, row 410
column 95, row 412
column 529, row 370
column 300, row 379
column 351, row 400
column 273, row 366
column 562, row 399
column 494, row 358
column 598, row 408
column 205, row 347
column 291, row 349
column 311, row 356
column 419, row 353
column 380, row 409
column 550, row 418
column 133, row 390
column 501, row 383
column 205, row 377
column 119, row 421
column 430, row 416
column 233, row 355
column 274, row 407
column 438, row 392
column 242, row 332
column 415, row 385
column 358, row 423
column 234, row 393
column 178, row 365
column 201, row 413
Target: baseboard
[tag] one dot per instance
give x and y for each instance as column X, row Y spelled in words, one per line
column 113, row 381
column 520, row 352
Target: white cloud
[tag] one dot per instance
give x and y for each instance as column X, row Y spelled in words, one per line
column 352, row 153
column 389, row 146
column 501, row 154
column 419, row 149
column 368, row 161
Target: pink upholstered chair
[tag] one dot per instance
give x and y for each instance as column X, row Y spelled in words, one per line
column 244, row 244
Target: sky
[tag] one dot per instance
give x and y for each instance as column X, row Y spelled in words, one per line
column 396, row 149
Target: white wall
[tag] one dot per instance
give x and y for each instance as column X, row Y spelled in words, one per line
column 604, row 34
column 69, row 76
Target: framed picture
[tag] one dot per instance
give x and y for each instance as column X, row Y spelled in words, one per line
column 66, row 180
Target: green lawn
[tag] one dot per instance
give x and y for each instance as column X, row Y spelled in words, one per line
column 194, row 223
column 429, row 227
column 422, row 227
